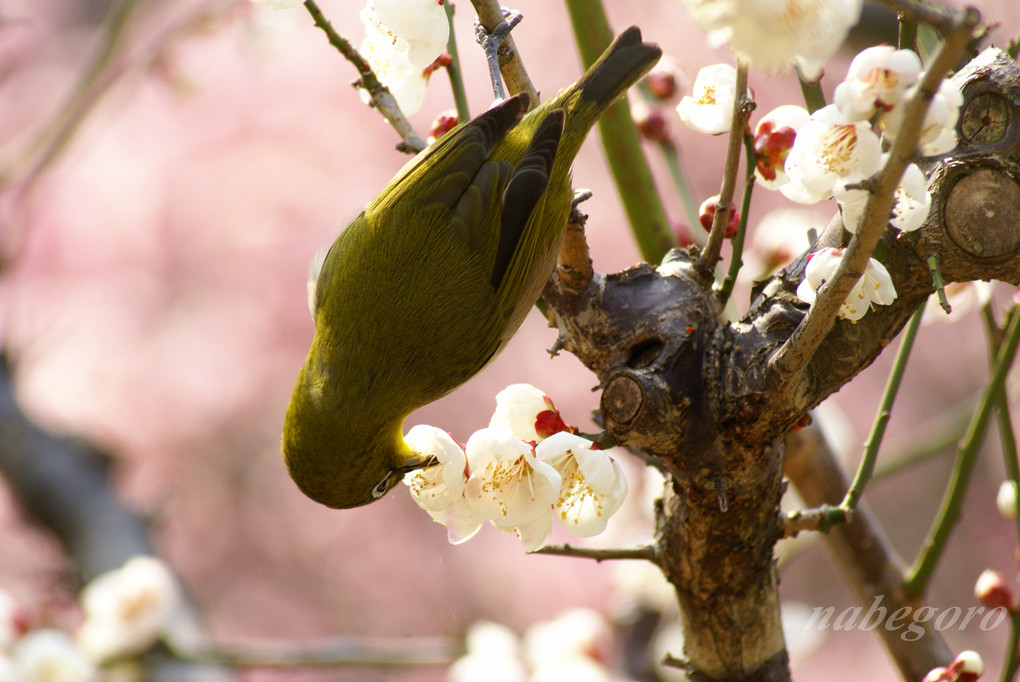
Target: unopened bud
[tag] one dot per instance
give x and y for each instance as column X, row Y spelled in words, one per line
column 992, row 590
column 706, row 215
column 1006, row 499
column 967, row 666
column 444, row 123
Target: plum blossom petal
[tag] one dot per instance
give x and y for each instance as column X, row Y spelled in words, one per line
column 509, row 485
column 938, row 130
column 877, row 80
column 517, row 407
column 439, row 489
column 709, row 107
column 911, row 205
column 127, row 609
column 50, row 654
column 773, row 138
column 829, row 149
column 402, row 38
column 772, row 35
column 875, row 287
column 593, row 485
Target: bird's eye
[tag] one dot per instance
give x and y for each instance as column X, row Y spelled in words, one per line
column 382, row 486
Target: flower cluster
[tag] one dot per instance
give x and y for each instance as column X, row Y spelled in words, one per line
column 875, row 287
column 773, row 35
column 126, row 611
column 576, row 645
column 518, row 473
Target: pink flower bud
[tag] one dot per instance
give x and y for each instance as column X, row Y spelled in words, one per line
column 992, row 590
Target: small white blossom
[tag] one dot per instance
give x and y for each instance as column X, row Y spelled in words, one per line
column 278, row 4
column 126, row 610
column 517, row 408
column 773, row 35
column 593, row 485
column 938, row 130
column 492, row 656
column 773, row 139
column 829, row 149
column 402, row 38
column 510, row 486
column 51, row 656
column 910, row 208
column 1005, row 500
column 962, row 297
column 780, row 235
column 875, row 287
column 876, row 81
column 577, row 632
column 439, row 489
column 709, row 107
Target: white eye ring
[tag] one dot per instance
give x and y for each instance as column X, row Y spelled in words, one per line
column 382, row 486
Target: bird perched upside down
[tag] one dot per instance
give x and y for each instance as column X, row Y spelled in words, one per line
column 434, row 276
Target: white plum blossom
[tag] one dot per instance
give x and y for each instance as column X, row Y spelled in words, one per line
column 510, row 487
column 875, row 287
column 50, row 656
column 127, row 609
column 773, row 34
column 938, row 130
column 492, row 655
column 574, row 633
column 278, row 4
column 829, row 149
column 876, row 81
column 962, row 297
column 519, row 407
column 780, row 235
column 709, row 107
column 439, row 489
column 402, row 38
column 911, row 205
column 593, row 485
column 773, row 139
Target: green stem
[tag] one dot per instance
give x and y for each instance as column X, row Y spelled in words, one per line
column 814, row 98
column 454, row 70
column 1007, row 433
column 940, row 284
column 622, row 143
column 924, row 565
column 683, row 189
column 907, row 32
column 892, row 387
column 750, row 161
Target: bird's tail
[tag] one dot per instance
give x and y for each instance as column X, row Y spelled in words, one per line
column 623, row 63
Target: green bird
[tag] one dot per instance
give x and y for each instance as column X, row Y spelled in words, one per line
column 427, row 284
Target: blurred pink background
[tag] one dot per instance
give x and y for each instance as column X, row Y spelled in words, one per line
column 154, row 298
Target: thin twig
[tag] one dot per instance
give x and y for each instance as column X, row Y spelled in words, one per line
column 818, row 519
column 376, row 651
column 939, row 18
column 379, row 95
column 646, row 553
column 805, row 340
column 742, row 108
column 892, row 387
column 511, row 66
column 736, row 257
column 455, row 72
column 924, row 565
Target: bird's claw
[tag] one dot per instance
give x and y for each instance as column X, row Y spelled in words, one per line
column 492, row 41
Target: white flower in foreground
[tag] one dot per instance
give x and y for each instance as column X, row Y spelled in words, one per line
column 421, row 24
column 773, row 139
column 511, row 487
column 709, row 107
column 962, row 297
column 126, row 610
column 439, row 489
column 593, row 485
column 50, row 656
column 492, row 656
column 399, row 59
column 877, row 80
column 526, row 412
column 938, row 131
column 278, row 4
column 829, row 149
column 911, row 205
column 1005, row 500
column 771, row 34
column 875, row 287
